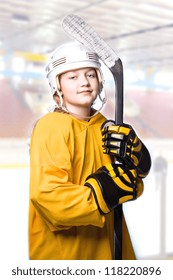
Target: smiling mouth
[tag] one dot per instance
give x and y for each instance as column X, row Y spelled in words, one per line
column 84, row 91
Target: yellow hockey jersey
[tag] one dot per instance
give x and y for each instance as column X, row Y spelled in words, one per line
column 64, row 220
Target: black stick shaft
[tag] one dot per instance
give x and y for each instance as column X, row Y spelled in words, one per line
column 117, row 72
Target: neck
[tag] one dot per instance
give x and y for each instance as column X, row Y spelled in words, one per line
column 82, row 113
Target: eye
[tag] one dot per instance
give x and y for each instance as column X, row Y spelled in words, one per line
column 72, row 77
column 91, row 75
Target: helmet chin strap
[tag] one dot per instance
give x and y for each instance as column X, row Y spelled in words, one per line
column 59, row 103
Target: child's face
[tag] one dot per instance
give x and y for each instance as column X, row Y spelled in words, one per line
column 79, row 88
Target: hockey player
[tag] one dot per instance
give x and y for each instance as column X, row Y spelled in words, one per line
column 74, row 186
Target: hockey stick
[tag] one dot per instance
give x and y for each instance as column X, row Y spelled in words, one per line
column 78, row 29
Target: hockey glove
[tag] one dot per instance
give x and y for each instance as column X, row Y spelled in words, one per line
column 122, row 142
column 114, row 184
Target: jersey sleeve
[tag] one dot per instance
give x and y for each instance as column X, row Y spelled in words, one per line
column 57, row 199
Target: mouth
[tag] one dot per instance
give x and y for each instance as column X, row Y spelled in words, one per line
column 85, row 91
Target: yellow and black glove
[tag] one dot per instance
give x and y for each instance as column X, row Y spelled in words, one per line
column 122, row 142
column 114, row 184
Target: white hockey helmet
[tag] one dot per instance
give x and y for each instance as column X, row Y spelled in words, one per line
column 70, row 56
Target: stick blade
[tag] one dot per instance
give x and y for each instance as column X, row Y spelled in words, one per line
column 78, row 29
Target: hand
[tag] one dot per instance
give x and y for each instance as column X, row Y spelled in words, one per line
column 122, row 142
column 114, row 184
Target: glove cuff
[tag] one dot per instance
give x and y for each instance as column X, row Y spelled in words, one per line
column 144, row 164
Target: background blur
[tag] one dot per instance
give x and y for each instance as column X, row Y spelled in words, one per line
column 141, row 33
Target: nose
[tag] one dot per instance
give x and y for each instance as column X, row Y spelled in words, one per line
column 84, row 81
